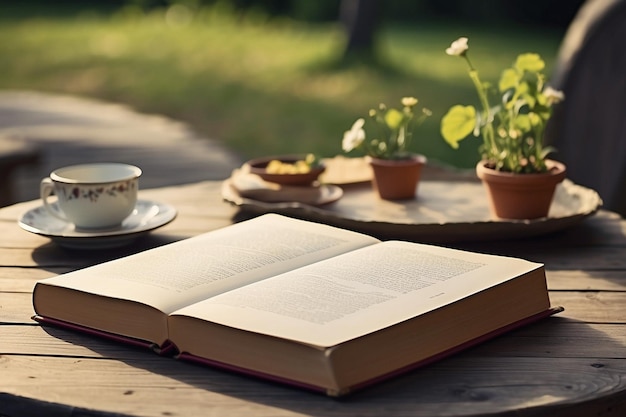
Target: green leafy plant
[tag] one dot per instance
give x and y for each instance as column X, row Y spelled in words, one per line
column 393, row 131
column 513, row 129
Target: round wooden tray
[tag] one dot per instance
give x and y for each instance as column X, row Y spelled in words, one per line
column 443, row 211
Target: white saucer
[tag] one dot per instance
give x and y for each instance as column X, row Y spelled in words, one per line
column 147, row 216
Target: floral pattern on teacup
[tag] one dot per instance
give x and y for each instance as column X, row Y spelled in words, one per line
column 92, row 194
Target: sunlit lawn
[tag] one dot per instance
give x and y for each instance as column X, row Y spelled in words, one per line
column 261, row 87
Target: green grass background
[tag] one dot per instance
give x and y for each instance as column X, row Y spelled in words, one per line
column 261, row 86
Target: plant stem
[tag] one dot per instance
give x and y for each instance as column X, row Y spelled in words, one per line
column 488, row 133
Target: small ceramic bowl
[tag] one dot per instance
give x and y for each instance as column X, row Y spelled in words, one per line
column 258, row 166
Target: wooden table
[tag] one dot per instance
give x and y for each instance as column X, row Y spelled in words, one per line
column 572, row 364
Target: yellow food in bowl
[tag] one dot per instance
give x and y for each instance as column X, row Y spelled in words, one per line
column 279, row 167
column 287, row 170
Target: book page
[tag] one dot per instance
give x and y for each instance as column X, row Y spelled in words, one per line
column 357, row 293
column 184, row 272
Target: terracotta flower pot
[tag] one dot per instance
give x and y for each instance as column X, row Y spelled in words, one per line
column 521, row 196
column 397, row 179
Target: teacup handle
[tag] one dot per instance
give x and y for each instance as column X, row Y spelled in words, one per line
column 46, row 188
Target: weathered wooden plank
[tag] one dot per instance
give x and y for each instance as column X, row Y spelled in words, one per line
column 16, row 307
column 580, row 258
column 555, row 337
column 33, row 339
column 603, row 228
column 595, row 307
column 559, row 257
column 590, row 280
column 458, row 386
column 559, row 337
column 23, row 279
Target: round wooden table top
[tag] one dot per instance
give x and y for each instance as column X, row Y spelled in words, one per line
column 571, row 364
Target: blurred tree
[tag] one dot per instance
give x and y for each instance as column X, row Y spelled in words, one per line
column 360, row 19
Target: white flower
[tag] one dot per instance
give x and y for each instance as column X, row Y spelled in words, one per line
column 409, row 101
column 553, row 96
column 354, row 137
column 458, row 47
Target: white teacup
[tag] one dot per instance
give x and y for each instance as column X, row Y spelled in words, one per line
column 92, row 196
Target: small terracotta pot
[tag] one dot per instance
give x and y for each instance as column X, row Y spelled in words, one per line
column 521, row 196
column 397, row 179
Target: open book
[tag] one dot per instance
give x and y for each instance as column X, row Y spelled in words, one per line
column 299, row 302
